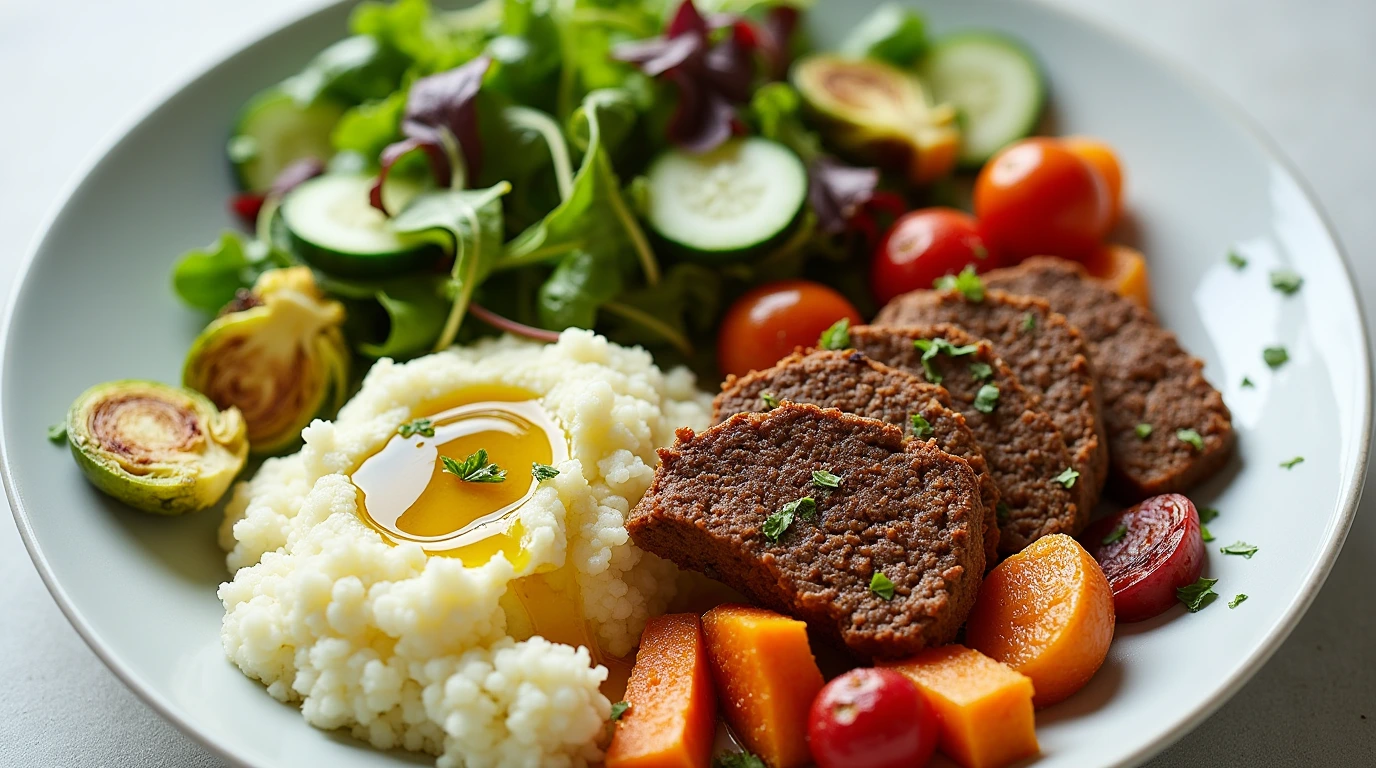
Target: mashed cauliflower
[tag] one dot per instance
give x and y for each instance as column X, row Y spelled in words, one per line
column 408, row 650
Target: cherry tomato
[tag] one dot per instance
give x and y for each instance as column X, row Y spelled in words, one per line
column 1037, row 198
column 769, row 321
column 1104, row 160
column 1146, row 552
column 871, row 718
column 924, row 245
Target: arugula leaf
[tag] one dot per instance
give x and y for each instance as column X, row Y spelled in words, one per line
column 576, row 289
column 474, row 469
column 881, row 585
column 1197, row 595
column 921, row 427
column 423, row 427
column 891, row 32
column 1068, row 477
column 1275, row 357
column 824, row 479
column 837, row 336
column 967, row 283
column 208, row 278
column 682, row 306
column 1287, row 281
column 987, row 398
column 1240, row 548
column 1143, row 431
column 543, row 472
column 57, row 433
column 1237, row 600
column 1190, row 436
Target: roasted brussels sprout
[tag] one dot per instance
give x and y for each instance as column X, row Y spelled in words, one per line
column 278, row 355
column 878, row 113
column 159, row 448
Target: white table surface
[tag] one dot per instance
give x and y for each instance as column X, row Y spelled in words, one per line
column 71, row 71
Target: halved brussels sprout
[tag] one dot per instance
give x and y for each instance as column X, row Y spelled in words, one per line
column 879, row 114
column 159, row 448
column 277, row 355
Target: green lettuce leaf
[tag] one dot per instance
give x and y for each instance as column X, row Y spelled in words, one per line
column 369, row 127
column 892, row 33
column 578, row 286
column 208, row 278
column 679, row 309
column 356, row 69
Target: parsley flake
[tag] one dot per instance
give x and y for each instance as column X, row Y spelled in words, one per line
column 1275, row 357
column 737, row 760
column 1287, row 281
column 981, row 371
column 824, row 479
column 1237, row 600
column 1239, row 548
column 1207, row 514
column 1067, row 478
column 1003, row 512
column 967, row 283
column 1204, row 533
column 1291, row 464
column 933, row 347
column 57, row 433
column 1143, row 431
column 474, row 469
column 880, row 585
column 1247, row 382
column 1029, row 323
column 619, row 709
column 1116, row 534
column 777, row 524
column 542, row 472
column 1190, row 436
column 414, row 427
column 1197, row 595
column 1235, row 259
column 987, row 398
column 837, row 336
column 921, row 427
column 770, row 401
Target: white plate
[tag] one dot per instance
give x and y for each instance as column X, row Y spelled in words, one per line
column 94, row 305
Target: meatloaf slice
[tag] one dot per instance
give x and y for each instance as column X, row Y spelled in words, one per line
column 856, row 384
column 902, row 508
column 1047, row 354
column 1145, row 378
column 1025, row 450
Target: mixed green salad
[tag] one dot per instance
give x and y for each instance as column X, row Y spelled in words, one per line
column 526, row 166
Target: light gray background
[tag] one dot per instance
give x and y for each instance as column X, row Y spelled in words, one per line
column 71, row 71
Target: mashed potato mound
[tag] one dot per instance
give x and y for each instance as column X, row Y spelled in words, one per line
column 411, row 651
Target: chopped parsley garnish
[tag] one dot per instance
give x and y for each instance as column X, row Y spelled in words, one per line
column 421, row 427
column 1237, row 600
column 1292, row 463
column 737, row 760
column 57, row 433
column 1029, row 323
column 1116, row 534
column 824, row 479
column 1236, row 260
column 921, row 427
column 880, row 585
column 770, row 401
column 474, row 469
column 1204, row 533
column 1198, row 594
column 1207, row 514
column 542, row 472
column 1275, row 356
column 1287, row 281
column 619, row 709
column 1247, row 382
column 967, row 283
column 1143, row 431
column 1067, row 478
column 986, row 398
column 776, row 525
column 933, row 347
column 981, row 371
column 1239, row 548
column 1002, row 512
column 837, row 336
column 1190, row 436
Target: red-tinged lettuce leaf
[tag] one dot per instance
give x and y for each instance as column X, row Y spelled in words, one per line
column 296, row 174
column 776, row 39
column 837, row 192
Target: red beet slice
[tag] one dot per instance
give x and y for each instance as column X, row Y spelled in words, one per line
column 1147, row 551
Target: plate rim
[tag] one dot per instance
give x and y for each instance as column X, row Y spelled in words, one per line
column 1211, row 95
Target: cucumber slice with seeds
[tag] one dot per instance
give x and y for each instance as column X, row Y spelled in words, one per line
column 995, row 84
column 334, row 229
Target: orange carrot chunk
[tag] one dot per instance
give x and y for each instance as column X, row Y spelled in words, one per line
column 767, row 678
column 984, row 708
column 672, row 718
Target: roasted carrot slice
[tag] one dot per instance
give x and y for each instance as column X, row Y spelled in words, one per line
column 767, row 678
column 984, row 707
column 672, row 717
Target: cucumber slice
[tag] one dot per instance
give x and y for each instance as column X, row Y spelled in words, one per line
column 334, row 229
column 274, row 131
column 728, row 203
column 995, row 84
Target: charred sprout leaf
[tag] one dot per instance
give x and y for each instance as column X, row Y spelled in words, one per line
column 824, row 479
column 282, row 362
column 158, row 448
column 1197, row 595
column 881, row 585
column 1287, row 281
column 208, row 278
column 967, row 283
column 619, row 709
column 474, row 469
column 892, row 33
column 1191, row 437
column 57, row 433
column 837, row 336
column 1068, row 477
column 543, row 472
column 987, row 398
column 770, row 401
column 422, row 427
column 921, row 427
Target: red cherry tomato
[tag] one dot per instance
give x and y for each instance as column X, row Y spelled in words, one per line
column 924, row 245
column 871, row 718
column 1147, row 551
column 1037, row 198
column 769, row 321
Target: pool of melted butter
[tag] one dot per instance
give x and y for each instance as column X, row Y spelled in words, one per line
column 405, row 494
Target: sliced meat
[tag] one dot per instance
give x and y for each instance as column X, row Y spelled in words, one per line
column 1144, row 376
column 903, row 508
column 1047, row 354
column 856, row 384
column 1022, row 445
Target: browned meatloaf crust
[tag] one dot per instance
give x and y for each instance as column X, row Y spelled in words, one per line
column 1144, row 376
column 903, row 508
column 1022, row 445
column 1049, row 357
column 856, row 384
